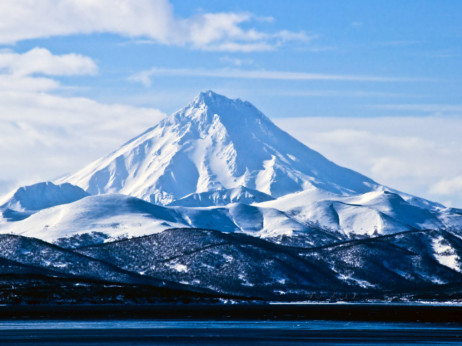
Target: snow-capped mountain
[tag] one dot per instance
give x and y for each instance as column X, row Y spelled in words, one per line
column 254, row 212
column 215, row 143
column 220, row 164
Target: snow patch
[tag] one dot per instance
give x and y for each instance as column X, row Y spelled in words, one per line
column 181, row 268
column 445, row 254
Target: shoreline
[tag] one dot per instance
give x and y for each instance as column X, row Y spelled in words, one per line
column 385, row 312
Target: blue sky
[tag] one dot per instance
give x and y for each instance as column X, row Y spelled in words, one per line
column 414, row 46
column 109, row 69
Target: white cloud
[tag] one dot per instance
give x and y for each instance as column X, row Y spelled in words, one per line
column 42, row 61
column 151, row 19
column 26, row 84
column 448, row 186
column 18, row 72
column 418, row 155
column 144, row 77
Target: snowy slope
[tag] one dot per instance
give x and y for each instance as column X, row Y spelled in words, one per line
column 215, row 143
column 114, row 215
column 222, row 197
column 118, row 216
column 312, row 217
column 382, row 211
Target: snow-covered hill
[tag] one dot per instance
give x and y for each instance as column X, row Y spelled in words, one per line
column 29, row 199
column 114, row 216
column 382, row 211
column 43, row 195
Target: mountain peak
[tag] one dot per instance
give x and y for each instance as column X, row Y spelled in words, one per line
column 210, row 97
column 209, row 104
column 212, row 144
column 213, row 101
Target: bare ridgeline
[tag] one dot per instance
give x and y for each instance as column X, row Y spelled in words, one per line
column 215, row 204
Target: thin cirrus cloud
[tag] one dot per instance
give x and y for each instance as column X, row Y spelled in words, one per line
column 147, row 19
column 144, row 77
column 425, row 108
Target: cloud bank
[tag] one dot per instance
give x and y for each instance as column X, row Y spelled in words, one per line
column 149, row 19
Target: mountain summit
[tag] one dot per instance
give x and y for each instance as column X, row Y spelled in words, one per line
column 215, row 143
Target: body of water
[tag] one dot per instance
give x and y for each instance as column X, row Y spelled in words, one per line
column 187, row 332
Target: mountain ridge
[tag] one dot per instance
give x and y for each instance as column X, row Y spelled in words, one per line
column 219, row 200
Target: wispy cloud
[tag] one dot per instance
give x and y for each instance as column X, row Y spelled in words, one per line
column 448, row 186
column 399, row 43
column 236, row 61
column 144, row 77
column 343, row 93
column 148, row 20
column 423, row 108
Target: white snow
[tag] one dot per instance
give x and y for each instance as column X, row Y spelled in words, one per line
column 445, row 254
column 377, row 212
column 181, row 268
